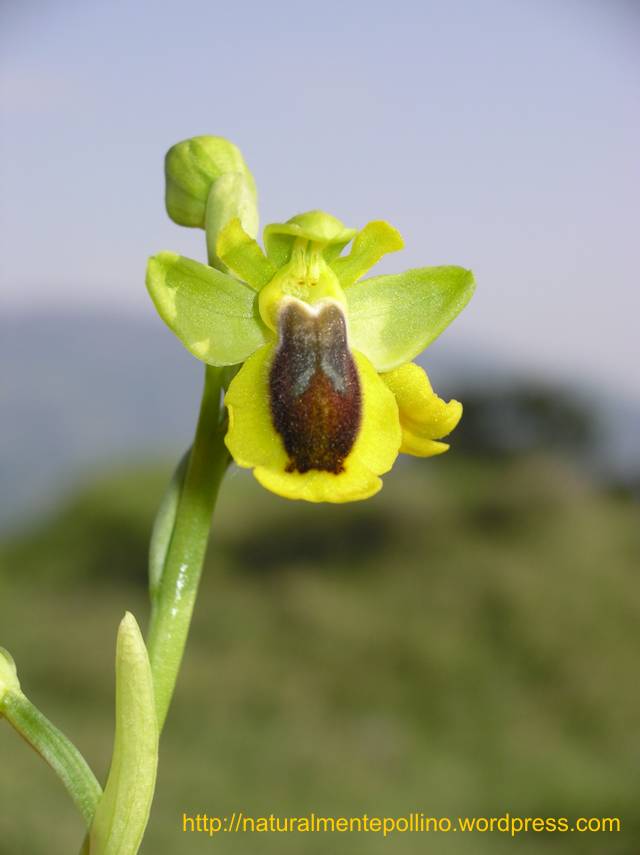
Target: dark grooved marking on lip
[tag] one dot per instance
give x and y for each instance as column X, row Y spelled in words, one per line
column 314, row 389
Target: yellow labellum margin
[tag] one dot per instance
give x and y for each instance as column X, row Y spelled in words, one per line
column 424, row 417
column 255, row 444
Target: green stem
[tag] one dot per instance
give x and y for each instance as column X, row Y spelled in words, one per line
column 173, row 599
column 54, row 747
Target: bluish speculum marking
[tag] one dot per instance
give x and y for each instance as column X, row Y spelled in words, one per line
column 314, row 388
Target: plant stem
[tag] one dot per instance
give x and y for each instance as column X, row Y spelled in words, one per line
column 54, row 747
column 173, row 600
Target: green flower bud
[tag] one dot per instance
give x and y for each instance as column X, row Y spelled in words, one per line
column 191, row 167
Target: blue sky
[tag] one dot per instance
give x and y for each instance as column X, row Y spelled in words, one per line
column 503, row 135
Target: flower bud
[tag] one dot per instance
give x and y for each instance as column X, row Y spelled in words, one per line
column 191, row 167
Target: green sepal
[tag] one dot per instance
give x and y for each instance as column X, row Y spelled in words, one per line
column 244, row 256
column 393, row 318
column 214, row 315
column 191, row 167
column 315, row 226
column 371, row 243
column 123, row 811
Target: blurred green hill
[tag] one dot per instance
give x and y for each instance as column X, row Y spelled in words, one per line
column 464, row 643
column 87, row 388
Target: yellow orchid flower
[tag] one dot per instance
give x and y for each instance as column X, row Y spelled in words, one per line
column 326, row 394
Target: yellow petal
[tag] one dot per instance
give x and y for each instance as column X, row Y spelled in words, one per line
column 424, row 416
column 255, row 444
column 420, row 447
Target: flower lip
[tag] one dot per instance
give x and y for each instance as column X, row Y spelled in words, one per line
column 314, row 389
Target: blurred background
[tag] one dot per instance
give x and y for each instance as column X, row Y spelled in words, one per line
column 467, row 641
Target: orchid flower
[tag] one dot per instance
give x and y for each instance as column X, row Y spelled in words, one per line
column 324, row 393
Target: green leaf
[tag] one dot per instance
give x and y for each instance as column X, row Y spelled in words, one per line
column 123, row 811
column 191, row 167
column 393, row 318
column 214, row 315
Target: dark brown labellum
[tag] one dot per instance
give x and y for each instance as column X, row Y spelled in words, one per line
column 315, row 395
